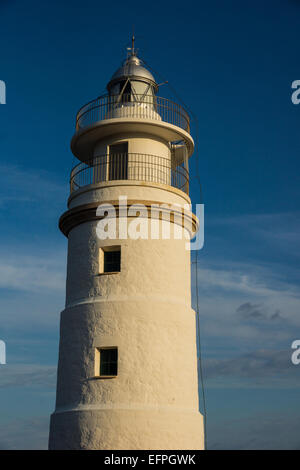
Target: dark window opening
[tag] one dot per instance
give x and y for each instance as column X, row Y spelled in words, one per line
column 118, row 161
column 109, row 361
column 112, row 261
column 126, row 95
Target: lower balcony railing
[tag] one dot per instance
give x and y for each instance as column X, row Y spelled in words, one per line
column 129, row 166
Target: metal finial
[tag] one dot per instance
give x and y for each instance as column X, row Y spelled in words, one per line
column 131, row 52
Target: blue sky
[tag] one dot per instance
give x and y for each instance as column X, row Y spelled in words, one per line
column 232, row 63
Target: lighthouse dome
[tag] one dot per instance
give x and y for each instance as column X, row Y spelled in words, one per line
column 132, row 90
column 133, row 69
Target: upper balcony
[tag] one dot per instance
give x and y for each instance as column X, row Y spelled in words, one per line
column 132, row 106
column 129, row 113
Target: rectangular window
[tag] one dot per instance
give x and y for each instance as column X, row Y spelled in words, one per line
column 108, row 362
column 118, row 161
column 110, row 259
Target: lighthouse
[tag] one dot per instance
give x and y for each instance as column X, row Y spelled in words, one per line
column 127, row 371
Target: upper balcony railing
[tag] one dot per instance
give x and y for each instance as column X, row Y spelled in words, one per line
column 129, row 166
column 132, row 106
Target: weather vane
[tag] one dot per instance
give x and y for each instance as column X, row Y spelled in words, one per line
column 131, row 50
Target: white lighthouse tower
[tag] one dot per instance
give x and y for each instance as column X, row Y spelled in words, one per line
column 127, row 372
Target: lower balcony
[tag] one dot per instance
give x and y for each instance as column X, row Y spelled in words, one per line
column 130, row 166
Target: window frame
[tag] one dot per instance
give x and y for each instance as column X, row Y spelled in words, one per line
column 98, row 362
column 108, row 249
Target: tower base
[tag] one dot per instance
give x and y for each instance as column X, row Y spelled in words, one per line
column 126, row 429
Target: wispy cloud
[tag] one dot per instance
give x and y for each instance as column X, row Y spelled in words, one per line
column 257, row 312
column 265, row 431
column 245, row 307
column 278, row 231
column 28, row 375
column 25, row 434
column 20, row 185
column 35, row 181
column 236, row 278
column 32, row 273
column 248, row 281
column 7, row 200
column 255, row 284
column 257, row 364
